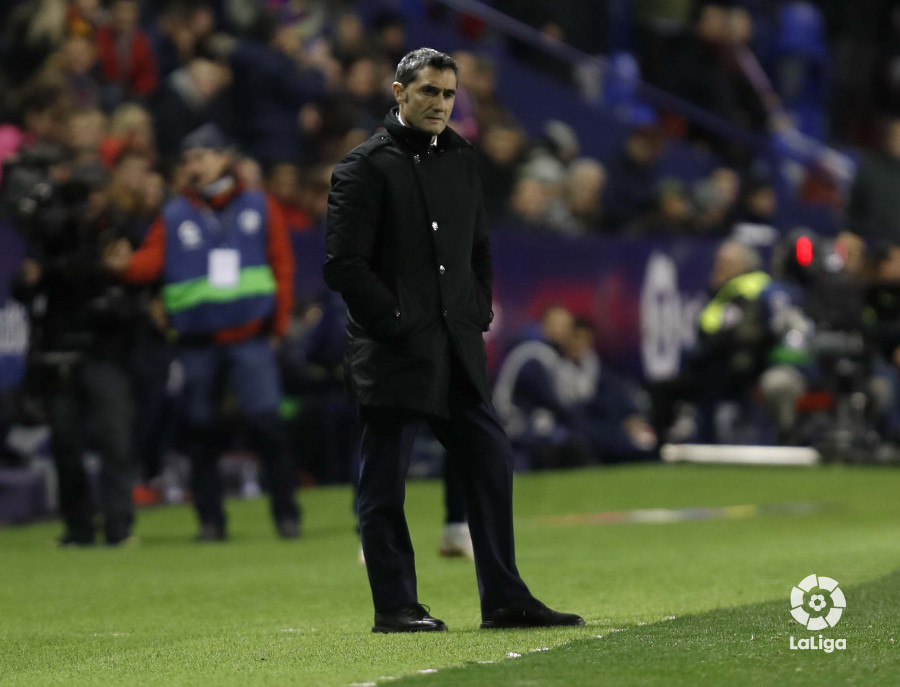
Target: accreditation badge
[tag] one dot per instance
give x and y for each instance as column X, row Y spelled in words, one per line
column 224, row 268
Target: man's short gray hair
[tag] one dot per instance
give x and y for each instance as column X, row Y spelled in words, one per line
column 415, row 61
column 750, row 257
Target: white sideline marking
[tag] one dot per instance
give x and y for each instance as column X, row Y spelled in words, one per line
column 740, row 455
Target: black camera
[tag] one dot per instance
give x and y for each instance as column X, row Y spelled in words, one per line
column 44, row 192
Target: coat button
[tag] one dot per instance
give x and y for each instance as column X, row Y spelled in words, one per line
column 446, row 313
column 434, row 225
column 442, row 270
column 416, row 159
column 397, row 313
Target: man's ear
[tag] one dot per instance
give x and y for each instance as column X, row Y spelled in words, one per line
column 399, row 92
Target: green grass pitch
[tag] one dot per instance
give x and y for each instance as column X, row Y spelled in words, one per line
column 260, row 611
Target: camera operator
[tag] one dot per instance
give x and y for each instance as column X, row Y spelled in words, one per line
column 883, row 314
column 81, row 320
column 853, row 339
column 752, row 337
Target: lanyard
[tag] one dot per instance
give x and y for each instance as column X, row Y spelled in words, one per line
column 223, row 229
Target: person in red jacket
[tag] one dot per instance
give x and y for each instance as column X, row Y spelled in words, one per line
column 126, row 56
column 223, row 256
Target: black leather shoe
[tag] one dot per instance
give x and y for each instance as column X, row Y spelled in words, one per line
column 210, row 533
column 288, row 529
column 414, row 618
column 528, row 613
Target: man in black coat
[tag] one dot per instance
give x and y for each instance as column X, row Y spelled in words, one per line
column 407, row 248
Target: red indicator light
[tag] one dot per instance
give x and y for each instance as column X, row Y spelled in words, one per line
column 804, row 251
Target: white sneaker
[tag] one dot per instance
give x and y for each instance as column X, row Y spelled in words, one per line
column 456, row 541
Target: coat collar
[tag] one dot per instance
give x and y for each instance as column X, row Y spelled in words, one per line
column 418, row 140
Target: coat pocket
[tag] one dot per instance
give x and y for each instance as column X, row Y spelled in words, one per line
column 485, row 312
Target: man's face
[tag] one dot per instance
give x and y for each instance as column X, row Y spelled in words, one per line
column 557, row 325
column 125, row 15
column 204, row 166
column 729, row 264
column 427, row 101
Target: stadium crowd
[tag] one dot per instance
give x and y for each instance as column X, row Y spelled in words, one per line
column 100, row 97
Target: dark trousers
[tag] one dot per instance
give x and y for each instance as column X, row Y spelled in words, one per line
column 93, row 398
column 268, row 439
column 454, row 496
column 251, row 368
column 479, row 453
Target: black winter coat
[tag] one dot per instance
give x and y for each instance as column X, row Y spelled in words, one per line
column 407, row 247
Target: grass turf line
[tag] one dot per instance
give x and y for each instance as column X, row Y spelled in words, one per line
column 748, row 646
column 259, row 611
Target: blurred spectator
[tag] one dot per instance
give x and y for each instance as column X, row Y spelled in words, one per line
column 716, row 200
column 755, row 218
column 126, row 55
column 283, row 184
column 349, row 42
column 87, row 131
column 633, row 175
column 500, row 153
column 315, row 183
column 82, row 326
column 229, row 304
column 753, row 333
column 584, row 189
column 545, row 17
column 551, row 174
column 43, row 121
column 270, row 89
column 75, row 66
column 608, row 414
column 131, row 129
column 390, row 36
column 703, row 71
column 673, row 213
column 464, row 118
column 249, row 173
column 191, row 96
column 528, row 396
column 174, row 41
column 33, row 31
column 560, row 141
column 873, row 210
column 85, row 16
column 528, row 205
column 128, row 186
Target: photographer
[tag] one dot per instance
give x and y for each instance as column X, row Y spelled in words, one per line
column 752, row 342
column 81, row 320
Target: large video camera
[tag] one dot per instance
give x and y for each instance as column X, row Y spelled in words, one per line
column 44, row 193
column 836, row 300
column 50, row 199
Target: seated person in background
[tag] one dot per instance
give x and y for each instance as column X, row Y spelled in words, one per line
column 527, row 395
column 607, row 413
